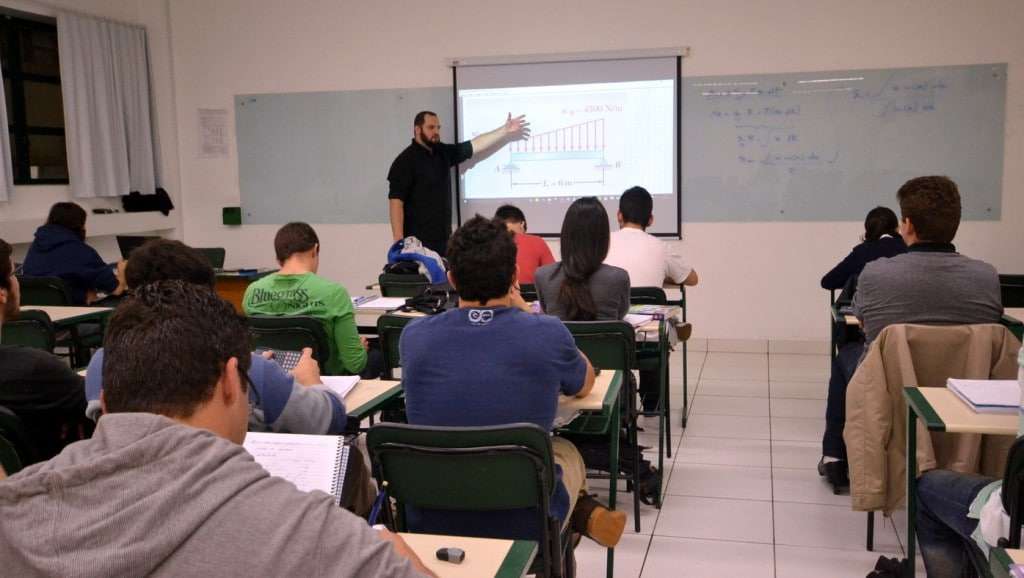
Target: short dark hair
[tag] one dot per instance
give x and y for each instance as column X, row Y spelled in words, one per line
column 421, row 117
column 585, row 237
column 167, row 345
column 509, row 214
column 294, row 238
column 166, row 260
column 6, row 271
column 68, row 215
column 482, row 259
column 880, row 221
column 933, row 205
column 636, row 206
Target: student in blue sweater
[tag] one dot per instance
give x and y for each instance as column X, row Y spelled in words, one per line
column 60, row 250
column 881, row 239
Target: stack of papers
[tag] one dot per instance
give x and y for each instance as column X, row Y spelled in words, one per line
column 637, row 320
column 381, row 303
column 987, row 395
column 340, row 385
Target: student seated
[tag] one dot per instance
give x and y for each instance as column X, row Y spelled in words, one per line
column 881, row 239
column 164, row 486
column 37, row 386
column 930, row 284
column 581, row 287
column 59, row 250
column 295, row 403
column 297, row 290
column 648, row 260
column 488, row 374
column 531, row 251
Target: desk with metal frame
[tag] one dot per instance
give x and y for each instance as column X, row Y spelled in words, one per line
column 1001, row 559
column 485, row 557
column 941, row 410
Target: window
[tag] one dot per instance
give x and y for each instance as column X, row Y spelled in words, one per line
column 35, row 107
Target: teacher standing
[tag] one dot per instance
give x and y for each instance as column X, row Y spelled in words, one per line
column 419, row 198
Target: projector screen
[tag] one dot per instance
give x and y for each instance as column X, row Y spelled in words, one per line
column 598, row 127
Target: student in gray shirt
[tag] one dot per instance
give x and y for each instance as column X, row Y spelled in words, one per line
column 581, row 287
column 930, row 284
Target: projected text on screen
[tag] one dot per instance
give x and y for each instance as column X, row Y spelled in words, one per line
column 588, row 139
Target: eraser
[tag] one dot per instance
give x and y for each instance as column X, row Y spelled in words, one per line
column 453, row 555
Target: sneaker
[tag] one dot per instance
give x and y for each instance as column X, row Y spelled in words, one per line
column 836, row 473
column 597, row 522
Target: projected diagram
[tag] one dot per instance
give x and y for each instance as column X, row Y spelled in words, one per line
column 563, row 157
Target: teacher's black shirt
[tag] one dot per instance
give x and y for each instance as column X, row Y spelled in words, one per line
column 421, row 178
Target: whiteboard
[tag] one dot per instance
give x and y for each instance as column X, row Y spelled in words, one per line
column 825, row 146
column 323, row 157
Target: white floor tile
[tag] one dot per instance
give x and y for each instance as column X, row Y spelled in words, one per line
column 738, row 346
column 591, row 557
column 716, row 519
column 804, row 486
column 735, row 366
column 819, row 526
column 728, row 426
column 798, row 428
column 733, row 387
column 798, row 562
column 728, row 405
column 808, row 408
column 800, row 347
column 724, row 451
column 706, row 559
column 792, row 454
column 708, row 481
column 799, row 367
column 799, row 389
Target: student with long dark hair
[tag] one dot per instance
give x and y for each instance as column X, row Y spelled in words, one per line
column 60, row 250
column 881, row 239
column 581, row 287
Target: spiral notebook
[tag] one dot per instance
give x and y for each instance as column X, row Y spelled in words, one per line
column 311, row 462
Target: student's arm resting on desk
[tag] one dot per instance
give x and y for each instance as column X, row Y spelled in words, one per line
column 346, row 334
column 588, row 381
column 288, row 406
column 94, row 385
column 837, row 277
column 677, row 271
column 576, row 375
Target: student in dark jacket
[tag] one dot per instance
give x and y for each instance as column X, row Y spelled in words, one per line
column 881, row 239
column 59, row 250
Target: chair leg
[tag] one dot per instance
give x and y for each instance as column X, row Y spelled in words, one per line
column 666, row 413
column 871, row 532
column 686, row 386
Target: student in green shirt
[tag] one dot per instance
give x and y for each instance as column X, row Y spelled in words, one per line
column 297, row 290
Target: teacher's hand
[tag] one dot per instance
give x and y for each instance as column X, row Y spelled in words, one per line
column 517, row 128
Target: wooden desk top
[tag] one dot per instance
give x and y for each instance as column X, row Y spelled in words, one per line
column 1001, row 559
column 485, row 557
column 941, row 410
column 596, row 399
column 64, row 315
column 1015, row 312
column 368, row 392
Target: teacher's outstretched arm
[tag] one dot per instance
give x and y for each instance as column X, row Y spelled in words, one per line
column 514, row 129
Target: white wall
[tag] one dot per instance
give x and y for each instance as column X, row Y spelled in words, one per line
column 32, row 203
column 759, row 280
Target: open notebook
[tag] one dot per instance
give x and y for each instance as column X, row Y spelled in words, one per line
column 987, row 395
column 311, row 462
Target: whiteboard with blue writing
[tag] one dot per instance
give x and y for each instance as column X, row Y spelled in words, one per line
column 829, row 146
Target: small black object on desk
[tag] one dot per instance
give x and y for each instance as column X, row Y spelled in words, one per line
column 453, row 555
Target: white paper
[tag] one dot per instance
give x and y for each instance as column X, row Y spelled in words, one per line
column 383, row 303
column 340, row 385
column 213, row 133
column 987, row 395
column 308, row 461
column 637, row 320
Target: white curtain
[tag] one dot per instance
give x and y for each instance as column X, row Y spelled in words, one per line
column 105, row 80
column 6, row 164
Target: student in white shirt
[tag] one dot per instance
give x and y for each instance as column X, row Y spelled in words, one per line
column 649, row 263
column 646, row 258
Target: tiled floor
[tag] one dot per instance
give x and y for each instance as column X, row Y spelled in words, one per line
column 743, row 497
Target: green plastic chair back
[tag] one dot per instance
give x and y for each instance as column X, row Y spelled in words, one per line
column 215, row 255
column 389, row 330
column 607, row 344
column 44, row 291
column 31, row 328
column 13, row 430
column 647, row 296
column 291, row 332
column 1011, row 289
column 9, row 459
column 470, row 469
column 397, row 285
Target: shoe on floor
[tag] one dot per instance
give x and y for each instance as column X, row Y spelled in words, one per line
column 836, row 473
column 597, row 522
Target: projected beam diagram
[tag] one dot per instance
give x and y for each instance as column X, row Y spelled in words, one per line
column 563, row 157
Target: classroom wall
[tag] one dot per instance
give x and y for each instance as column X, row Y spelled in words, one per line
column 33, row 202
column 758, row 280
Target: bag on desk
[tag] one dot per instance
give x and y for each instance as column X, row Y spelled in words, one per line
column 433, row 300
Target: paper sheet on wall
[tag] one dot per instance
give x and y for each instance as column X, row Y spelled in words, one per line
column 213, row 133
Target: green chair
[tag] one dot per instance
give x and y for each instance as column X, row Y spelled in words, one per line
column 12, row 428
column 44, row 291
column 291, row 332
column 9, row 460
column 398, row 285
column 656, row 359
column 389, row 330
column 53, row 291
column 1011, row 289
column 611, row 345
column 32, row 328
column 484, row 469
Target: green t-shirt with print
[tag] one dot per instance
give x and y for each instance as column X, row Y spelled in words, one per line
column 312, row 295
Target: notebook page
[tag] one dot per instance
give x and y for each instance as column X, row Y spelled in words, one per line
column 987, row 392
column 340, row 385
column 308, row 461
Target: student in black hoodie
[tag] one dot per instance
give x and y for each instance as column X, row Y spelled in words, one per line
column 59, row 250
column 881, row 239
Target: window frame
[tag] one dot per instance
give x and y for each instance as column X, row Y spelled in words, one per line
column 17, row 122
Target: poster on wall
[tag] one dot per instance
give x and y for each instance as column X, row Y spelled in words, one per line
column 213, row 133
